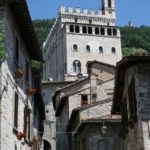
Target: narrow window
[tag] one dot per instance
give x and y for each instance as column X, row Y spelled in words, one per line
column 89, row 30
column 84, row 29
column 29, row 122
column 132, row 100
column 109, row 32
column 75, row 47
column 16, row 111
column 109, row 4
column 102, row 31
column 100, row 49
column 88, row 49
column 113, row 50
column 27, row 71
column 114, row 32
column 17, row 50
column 96, row 31
column 84, row 100
column 77, row 30
column 77, row 66
column 71, row 28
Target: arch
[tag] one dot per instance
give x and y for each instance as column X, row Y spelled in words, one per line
column 114, row 32
column 84, row 29
column 75, row 47
column 96, row 30
column 102, row 31
column 71, row 28
column 113, row 50
column 89, row 30
column 76, row 66
column 100, row 49
column 47, row 145
column 88, row 49
column 109, row 31
column 77, row 29
column 109, row 3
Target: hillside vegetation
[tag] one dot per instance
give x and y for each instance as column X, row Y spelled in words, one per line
column 134, row 39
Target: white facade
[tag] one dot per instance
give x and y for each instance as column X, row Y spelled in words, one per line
column 79, row 36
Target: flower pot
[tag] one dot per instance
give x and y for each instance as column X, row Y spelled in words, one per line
column 31, row 91
column 19, row 73
column 19, row 135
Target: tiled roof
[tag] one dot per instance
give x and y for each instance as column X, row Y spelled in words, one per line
column 101, row 117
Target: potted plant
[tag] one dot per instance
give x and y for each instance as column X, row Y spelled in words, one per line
column 31, row 90
column 20, row 135
column 19, row 72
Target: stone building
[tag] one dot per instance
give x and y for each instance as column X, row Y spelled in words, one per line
column 131, row 100
column 21, row 111
column 93, row 93
column 77, row 36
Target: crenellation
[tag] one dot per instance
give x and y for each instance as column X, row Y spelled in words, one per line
column 77, row 10
column 85, row 11
column 70, row 9
column 107, row 14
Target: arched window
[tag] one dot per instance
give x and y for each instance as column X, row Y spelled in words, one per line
column 109, row 32
column 113, row 50
column 88, row 49
column 77, row 29
column 102, row 31
column 89, row 30
column 84, row 29
column 96, row 31
column 75, row 47
column 109, row 4
column 71, row 28
column 114, row 32
column 100, row 49
column 76, row 66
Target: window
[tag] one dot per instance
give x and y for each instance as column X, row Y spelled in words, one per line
column 71, row 28
column 96, row 31
column 77, row 30
column 84, row 100
column 113, row 50
column 89, row 30
column 29, row 122
column 16, row 111
column 114, row 32
column 109, row 32
column 27, row 71
column 17, row 50
column 84, row 29
column 132, row 100
column 88, row 49
column 109, row 4
column 77, row 66
column 75, row 47
column 102, row 31
column 100, row 49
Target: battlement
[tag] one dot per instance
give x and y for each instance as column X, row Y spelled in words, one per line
column 78, row 11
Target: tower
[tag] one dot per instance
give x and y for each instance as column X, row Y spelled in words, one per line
column 108, row 7
column 79, row 36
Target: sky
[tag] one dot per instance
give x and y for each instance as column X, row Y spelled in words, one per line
column 136, row 11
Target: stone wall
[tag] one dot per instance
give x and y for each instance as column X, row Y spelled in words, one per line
column 9, row 85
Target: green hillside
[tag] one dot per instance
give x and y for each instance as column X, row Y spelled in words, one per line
column 134, row 39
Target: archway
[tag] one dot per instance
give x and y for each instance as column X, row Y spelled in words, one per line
column 47, row 145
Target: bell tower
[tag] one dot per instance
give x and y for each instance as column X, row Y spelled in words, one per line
column 108, row 7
